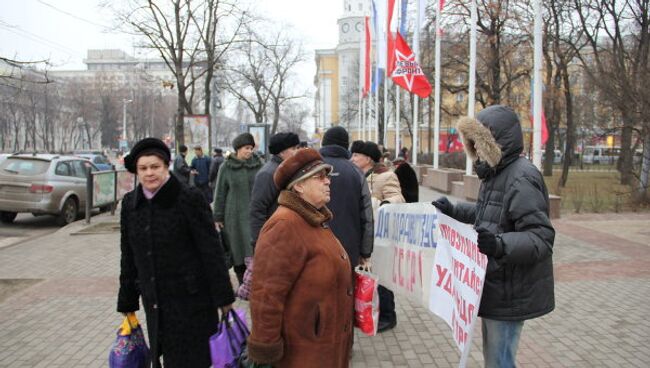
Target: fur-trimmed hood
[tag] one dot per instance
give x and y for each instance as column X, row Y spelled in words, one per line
column 497, row 140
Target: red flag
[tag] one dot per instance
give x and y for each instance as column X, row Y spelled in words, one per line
column 407, row 73
column 366, row 72
column 544, row 128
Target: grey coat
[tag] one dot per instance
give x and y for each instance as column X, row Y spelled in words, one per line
column 264, row 198
column 513, row 204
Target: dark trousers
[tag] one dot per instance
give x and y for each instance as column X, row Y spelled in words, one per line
column 239, row 271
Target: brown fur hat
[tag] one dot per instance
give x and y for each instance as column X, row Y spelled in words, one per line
column 305, row 163
column 478, row 141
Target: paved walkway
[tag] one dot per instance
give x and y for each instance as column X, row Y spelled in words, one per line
column 64, row 315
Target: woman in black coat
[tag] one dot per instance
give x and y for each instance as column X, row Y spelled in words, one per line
column 172, row 259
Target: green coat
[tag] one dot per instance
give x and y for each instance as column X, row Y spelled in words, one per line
column 232, row 202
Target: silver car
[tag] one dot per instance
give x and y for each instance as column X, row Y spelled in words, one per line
column 43, row 184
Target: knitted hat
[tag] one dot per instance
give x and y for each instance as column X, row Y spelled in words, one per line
column 336, row 136
column 305, row 163
column 281, row 141
column 146, row 147
column 368, row 148
column 244, row 139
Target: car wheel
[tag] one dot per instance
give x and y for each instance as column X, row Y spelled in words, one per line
column 69, row 212
column 7, row 217
column 105, row 208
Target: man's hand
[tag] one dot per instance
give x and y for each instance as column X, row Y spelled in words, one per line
column 487, row 242
column 365, row 263
column 444, row 205
column 218, row 225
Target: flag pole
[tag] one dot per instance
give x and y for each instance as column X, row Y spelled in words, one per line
column 383, row 141
column 471, row 106
column 361, row 84
column 416, row 124
column 397, row 94
column 436, row 113
column 537, row 97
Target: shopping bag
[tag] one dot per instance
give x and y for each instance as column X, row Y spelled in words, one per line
column 229, row 343
column 366, row 301
column 129, row 350
column 244, row 290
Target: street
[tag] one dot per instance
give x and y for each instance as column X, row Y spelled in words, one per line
column 26, row 227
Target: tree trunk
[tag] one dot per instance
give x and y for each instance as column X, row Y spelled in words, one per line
column 625, row 160
column 276, row 116
column 570, row 128
column 642, row 189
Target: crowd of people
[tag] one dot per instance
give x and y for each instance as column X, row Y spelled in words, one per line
column 295, row 227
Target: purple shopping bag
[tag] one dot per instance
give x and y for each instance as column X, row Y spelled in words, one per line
column 228, row 344
column 129, row 350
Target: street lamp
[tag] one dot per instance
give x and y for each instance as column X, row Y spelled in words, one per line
column 124, row 103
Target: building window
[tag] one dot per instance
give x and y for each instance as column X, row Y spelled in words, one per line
column 360, row 7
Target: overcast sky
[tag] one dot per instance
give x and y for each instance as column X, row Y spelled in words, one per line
column 62, row 30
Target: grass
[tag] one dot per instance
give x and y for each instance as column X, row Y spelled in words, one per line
column 592, row 191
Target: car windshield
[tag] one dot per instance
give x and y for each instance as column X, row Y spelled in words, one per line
column 24, row 166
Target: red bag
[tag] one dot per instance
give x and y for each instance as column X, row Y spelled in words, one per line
column 366, row 301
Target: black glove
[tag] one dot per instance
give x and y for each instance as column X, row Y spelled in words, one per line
column 444, row 205
column 487, row 242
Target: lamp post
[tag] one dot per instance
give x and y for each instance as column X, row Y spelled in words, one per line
column 123, row 144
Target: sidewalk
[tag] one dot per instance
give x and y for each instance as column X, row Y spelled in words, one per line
column 63, row 313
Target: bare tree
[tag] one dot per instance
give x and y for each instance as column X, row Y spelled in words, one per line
column 284, row 54
column 618, row 36
column 249, row 76
column 184, row 33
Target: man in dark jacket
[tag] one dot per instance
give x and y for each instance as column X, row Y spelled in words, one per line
column 514, row 231
column 350, row 200
column 217, row 160
column 181, row 170
column 201, row 169
column 264, row 197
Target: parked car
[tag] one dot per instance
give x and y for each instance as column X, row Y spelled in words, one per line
column 43, row 184
column 98, row 159
column 600, row 155
column 557, row 156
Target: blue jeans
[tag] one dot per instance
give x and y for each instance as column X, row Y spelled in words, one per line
column 500, row 342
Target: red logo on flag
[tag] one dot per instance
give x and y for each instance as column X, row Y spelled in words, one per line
column 407, row 72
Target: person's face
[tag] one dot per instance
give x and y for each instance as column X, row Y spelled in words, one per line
column 152, row 172
column 245, row 152
column 362, row 161
column 198, row 152
column 288, row 152
column 315, row 189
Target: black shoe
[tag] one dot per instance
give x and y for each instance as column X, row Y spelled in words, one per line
column 386, row 325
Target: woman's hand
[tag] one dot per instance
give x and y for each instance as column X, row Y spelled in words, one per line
column 225, row 309
column 218, row 225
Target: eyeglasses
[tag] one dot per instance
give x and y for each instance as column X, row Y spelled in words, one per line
column 322, row 175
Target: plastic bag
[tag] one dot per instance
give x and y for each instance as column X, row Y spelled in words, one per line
column 229, row 343
column 366, row 301
column 129, row 349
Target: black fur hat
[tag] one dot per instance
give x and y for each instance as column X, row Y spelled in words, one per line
column 368, row 148
column 147, row 146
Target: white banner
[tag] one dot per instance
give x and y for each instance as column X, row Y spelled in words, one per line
column 457, row 280
column 434, row 261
